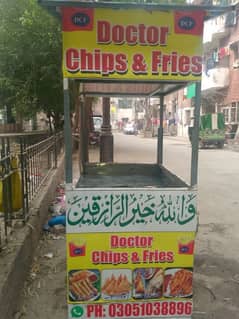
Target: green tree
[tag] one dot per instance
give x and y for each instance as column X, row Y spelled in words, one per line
column 30, row 60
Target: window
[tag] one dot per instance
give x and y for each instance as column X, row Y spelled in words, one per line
column 233, row 113
column 231, row 19
column 226, row 114
column 237, row 111
column 235, row 49
column 125, row 103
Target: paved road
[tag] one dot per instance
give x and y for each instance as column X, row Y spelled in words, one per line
column 216, row 281
column 218, row 179
column 217, row 250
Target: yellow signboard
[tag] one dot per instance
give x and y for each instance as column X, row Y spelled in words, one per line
column 132, row 268
column 137, row 45
column 130, row 253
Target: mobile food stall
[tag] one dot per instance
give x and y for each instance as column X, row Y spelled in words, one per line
column 131, row 227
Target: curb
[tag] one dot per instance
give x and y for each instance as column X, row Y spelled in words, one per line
column 14, row 266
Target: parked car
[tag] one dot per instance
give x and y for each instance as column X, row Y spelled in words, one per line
column 97, row 121
column 94, row 134
column 130, row 129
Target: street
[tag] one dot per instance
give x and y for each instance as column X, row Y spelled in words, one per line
column 216, row 273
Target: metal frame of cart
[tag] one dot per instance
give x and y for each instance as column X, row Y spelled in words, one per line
column 162, row 90
column 142, row 223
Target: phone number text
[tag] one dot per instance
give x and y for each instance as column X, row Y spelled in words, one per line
column 135, row 310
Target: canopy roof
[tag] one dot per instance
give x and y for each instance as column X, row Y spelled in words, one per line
column 131, row 89
column 212, row 10
column 124, row 88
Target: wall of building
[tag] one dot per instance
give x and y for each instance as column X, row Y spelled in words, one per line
column 220, row 93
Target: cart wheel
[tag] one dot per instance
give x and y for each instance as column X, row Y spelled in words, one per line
column 221, row 145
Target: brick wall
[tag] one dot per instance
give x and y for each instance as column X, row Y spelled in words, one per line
column 232, row 94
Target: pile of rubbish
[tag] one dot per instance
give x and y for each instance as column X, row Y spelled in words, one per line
column 57, row 209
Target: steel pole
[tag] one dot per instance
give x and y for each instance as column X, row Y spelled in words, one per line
column 67, row 133
column 106, row 138
column 195, row 136
column 160, row 132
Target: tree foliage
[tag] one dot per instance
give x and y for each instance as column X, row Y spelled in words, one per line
column 30, row 59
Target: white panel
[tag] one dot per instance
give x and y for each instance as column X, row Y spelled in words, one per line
column 126, row 210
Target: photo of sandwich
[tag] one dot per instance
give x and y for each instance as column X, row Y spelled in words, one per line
column 84, row 285
column 148, row 283
column 116, row 284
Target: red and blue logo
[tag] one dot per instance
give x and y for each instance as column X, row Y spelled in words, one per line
column 77, row 250
column 189, row 22
column 77, row 19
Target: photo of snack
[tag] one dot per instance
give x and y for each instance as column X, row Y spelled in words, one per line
column 138, row 283
column 148, row 283
column 178, row 282
column 84, row 285
column 116, row 284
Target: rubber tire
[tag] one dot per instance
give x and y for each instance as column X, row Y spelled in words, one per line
column 201, row 145
column 220, row 145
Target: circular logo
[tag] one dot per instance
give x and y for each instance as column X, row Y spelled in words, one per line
column 184, row 249
column 77, row 312
column 80, row 19
column 186, row 23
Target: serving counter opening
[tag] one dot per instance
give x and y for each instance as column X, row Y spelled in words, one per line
column 124, row 175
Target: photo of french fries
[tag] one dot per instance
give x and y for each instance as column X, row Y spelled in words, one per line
column 178, row 282
column 116, row 284
column 84, row 285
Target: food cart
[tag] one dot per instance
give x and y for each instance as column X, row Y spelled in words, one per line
column 130, row 228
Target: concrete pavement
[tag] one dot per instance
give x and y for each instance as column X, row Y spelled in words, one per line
column 16, row 259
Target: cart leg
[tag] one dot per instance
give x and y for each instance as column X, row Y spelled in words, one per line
column 195, row 136
column 160, row 133
column 106, row 138
column 67, row 133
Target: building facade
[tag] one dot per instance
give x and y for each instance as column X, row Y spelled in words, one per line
column 220, row 76
column 220, row 80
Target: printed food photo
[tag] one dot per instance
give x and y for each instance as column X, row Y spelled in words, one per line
column 116, row 284
column 178, row 282
column 84, row 285
column 148, row 283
